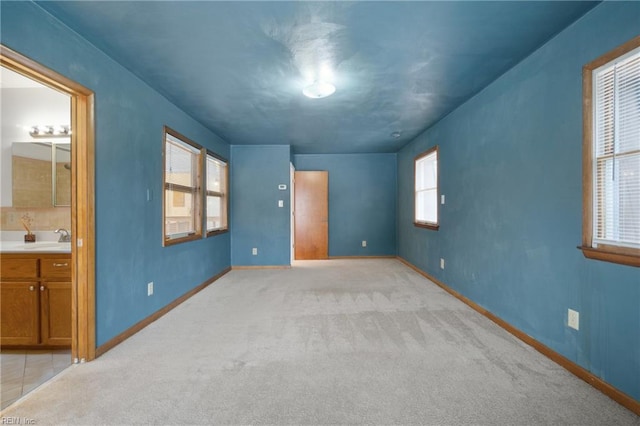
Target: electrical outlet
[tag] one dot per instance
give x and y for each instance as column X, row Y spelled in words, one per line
column 280, row 203
column 364, row 243
column 441, row 263
column 254, row 251
column 442, row 199
column 573, row 319
column 150, row 288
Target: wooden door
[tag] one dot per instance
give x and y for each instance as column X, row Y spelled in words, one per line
column 55, row 312
column 311, row 215
column 19, row 313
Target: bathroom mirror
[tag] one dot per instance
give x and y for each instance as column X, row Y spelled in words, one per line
column 41, row 174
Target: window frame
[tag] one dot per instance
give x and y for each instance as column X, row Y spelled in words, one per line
column 224, row 195
column 605, row 252
column 422, row 224
column 197, row 217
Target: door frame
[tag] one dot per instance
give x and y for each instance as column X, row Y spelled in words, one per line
column 292, row 214
column 83, row 333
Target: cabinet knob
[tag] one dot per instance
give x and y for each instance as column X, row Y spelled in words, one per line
column 60, row 265
column 41, row 288
column 31, row 288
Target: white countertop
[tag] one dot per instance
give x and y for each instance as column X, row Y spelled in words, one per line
column 37, row 247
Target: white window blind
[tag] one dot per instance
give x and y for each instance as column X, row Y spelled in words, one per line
column 181, row 188
column 426, row 189
column 616, row 159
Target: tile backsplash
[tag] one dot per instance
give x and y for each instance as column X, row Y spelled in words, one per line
column 43, row 219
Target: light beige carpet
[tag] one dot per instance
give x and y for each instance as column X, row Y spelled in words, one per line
column 326, row 342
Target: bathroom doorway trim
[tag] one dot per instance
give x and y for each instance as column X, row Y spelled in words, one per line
column 83, row 338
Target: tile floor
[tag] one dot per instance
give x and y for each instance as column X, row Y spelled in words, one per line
column 21, row 371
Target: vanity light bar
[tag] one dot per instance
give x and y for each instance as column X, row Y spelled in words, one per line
column 63, row 131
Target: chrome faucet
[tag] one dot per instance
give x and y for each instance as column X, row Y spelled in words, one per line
column 65, row 237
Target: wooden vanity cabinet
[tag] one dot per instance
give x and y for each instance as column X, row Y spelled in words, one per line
column 35, row 298
column 19, row 313
column 55, row 301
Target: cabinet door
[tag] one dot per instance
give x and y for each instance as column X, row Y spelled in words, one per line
column 19, row 313
column 55, row 306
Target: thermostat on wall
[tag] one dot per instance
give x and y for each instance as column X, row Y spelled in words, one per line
column 282, row 187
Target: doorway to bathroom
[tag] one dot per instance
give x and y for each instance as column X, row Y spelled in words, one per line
column 56, row 277
column 35, row 202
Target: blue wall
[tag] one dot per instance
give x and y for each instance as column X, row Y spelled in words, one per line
column 510, row 167
column 510, row 164
column 362, row 201
column 256, row 219
column 129, row 120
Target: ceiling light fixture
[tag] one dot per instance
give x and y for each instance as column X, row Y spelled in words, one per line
column 319, row 89
column 395, row 135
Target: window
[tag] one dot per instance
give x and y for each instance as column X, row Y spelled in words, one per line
column 216, row 194
column 426, row 189
column 182, row 188
column 611, row 156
